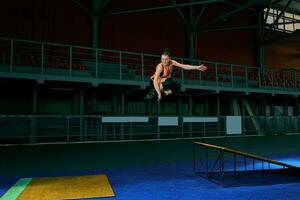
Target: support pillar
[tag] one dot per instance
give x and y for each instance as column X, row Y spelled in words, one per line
column 34, row 99
column 94, row 102
column 259, row 41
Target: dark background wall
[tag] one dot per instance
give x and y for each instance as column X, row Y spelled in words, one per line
column 284, row 53
column 56, row 21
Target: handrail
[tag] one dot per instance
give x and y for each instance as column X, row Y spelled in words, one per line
column 70, row 60
column 129, row 52
column 35, row 126
column 229, row 150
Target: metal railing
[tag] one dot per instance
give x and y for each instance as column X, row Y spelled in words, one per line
column 208, row 170
column 31, row 129
column 61, row 60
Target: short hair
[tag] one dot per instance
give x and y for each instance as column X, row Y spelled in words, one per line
column 166, row 52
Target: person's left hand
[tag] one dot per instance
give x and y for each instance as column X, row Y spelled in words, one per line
column 202, row 68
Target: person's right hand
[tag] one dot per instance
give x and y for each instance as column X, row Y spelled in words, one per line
column 159, row 97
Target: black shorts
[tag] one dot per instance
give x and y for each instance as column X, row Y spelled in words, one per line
column 170, row 84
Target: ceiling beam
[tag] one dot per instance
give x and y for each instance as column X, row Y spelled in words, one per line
column 197, row 20
column 265, row 21
column 186, row 23
column 81, row 6
column 133, row 11
column 104, row 3
column 98, row 6
column 230, row 28
column 277, row 19
column 237, row 5
column 227, row 15
column 291, row 22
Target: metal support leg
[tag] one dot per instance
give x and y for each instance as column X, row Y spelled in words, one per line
column 234, row 164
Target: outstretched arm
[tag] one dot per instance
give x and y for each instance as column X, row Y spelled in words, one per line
column 189, row 67
column 156, row 80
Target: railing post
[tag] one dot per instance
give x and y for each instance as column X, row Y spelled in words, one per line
column 204, row 129
column 194, row 152
column 206, row 156
column 120, row 63
column 11, row 54
column 81, row 127
column 182, row 72
column 259, row 78
column 295, row 79
column 216, row 73
column 219, row 125
column 182, row 128
column 130, row 130
column 158, row 129
column 68, row 128
column 70, row 60
column 272, row 78
column 97, row 62
column 200, row 73
column 231, row 75
column 222, row 167
column 42, row 57
column 97, row 130
column 295, row 123
column 33, row 129
column 85, row 134
column 283, row 74
column 142, row 63
column 246, row 76
column 234, row 163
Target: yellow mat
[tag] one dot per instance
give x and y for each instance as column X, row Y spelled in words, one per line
column 72, row 187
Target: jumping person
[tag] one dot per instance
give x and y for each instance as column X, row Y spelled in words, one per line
column 162, row 79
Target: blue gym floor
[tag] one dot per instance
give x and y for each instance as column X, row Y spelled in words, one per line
column 178, row 181
column 161, row 170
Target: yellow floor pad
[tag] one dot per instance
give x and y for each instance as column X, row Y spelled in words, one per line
column 72, row 187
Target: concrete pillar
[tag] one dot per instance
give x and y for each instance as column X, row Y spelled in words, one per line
column 95, row 31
